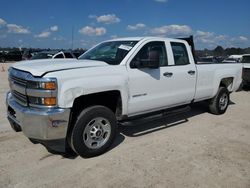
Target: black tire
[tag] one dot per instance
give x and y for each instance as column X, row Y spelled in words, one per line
column 216, row 104
column 87, row 121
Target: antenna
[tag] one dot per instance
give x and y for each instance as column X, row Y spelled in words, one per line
column 72, row 38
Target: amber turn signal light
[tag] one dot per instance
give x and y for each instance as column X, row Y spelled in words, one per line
column 50, row 101
column 50, row 85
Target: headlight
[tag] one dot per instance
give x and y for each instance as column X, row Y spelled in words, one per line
column 48, row 85
column 42, row 92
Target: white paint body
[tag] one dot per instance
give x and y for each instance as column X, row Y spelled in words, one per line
column 80, row 77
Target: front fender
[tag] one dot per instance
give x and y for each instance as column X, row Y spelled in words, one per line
column 74, row 88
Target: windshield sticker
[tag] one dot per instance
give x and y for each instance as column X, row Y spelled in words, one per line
column 125, row 47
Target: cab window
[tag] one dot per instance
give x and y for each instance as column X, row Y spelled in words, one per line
column 152, row 48
column 180, row 53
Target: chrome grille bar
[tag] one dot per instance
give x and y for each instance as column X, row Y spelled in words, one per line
column 18, row 81
column 20, row 98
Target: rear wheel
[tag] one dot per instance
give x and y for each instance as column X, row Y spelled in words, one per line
column 218, row 105
column 94, row 131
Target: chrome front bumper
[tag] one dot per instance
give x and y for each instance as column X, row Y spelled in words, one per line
column 41, row 124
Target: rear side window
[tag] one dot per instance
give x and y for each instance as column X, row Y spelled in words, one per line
column 180, row 53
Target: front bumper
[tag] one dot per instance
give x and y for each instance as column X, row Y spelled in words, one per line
column 40, row 124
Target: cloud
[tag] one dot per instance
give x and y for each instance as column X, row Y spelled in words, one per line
column 91, row 31
column 204, row 34
column 44, row 34
column 136, row 26
column 238, row 41
column 13, row 28
column 172, row 30
column 243, row 39
column 2, row 22
column 161, row 1
column 108, row 19
column 54, row 28
column 211, row 40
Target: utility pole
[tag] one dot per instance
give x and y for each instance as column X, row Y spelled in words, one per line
column 72, row 38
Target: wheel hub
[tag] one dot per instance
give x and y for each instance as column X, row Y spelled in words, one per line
column 223, row 102
column 96, row 133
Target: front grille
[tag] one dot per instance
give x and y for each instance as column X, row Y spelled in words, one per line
column 18, row 85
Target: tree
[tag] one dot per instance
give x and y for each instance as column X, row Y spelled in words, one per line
column 218, row 51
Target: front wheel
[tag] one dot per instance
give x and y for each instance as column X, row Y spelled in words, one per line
column 218, row 105
column 94, row 131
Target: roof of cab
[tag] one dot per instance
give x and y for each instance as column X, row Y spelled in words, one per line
column 142, row 38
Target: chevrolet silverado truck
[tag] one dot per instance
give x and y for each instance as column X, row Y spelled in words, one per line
column 76, row 104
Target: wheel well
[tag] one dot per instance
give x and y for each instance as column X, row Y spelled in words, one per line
column 109, row 99
column 227, row 83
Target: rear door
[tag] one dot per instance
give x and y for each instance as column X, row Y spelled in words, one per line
column 183, row 71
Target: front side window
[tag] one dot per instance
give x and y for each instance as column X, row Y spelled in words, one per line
column 112, row 52
column 151, row 49
column 180, row 53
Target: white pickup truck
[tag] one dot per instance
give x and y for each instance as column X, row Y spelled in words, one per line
column 75, row 105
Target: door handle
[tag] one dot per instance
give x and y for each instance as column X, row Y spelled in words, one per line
column 191, row 72
column 168, row 74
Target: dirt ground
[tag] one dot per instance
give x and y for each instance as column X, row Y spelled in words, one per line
column 194, row 149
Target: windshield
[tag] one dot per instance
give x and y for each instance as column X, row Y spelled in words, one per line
column 112, row 52
column 246, row 59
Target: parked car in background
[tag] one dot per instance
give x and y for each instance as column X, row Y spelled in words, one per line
column 78, row 53
column 246, row 69
column 233, row 59
column 209, row 59
column 54, row 55
column 29, row 53
column 15, row 55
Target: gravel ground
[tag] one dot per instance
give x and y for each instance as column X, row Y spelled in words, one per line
column 195, row 149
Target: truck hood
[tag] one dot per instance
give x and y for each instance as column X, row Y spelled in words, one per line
column 41, row 67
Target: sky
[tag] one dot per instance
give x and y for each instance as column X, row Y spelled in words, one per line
column 84, row 23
